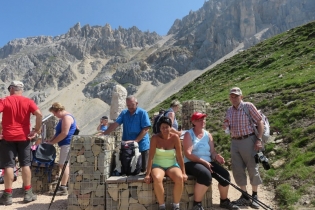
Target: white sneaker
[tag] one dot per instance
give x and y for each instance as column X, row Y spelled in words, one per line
column 254, row 203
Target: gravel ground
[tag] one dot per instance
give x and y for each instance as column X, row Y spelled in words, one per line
column 42, row 202
column 265, row 195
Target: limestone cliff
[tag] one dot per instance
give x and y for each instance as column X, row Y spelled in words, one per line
column 96, row 58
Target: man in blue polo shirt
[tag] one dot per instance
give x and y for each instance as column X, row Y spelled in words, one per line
column 136, row 124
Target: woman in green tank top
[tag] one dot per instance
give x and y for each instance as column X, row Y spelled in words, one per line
column 165, row 151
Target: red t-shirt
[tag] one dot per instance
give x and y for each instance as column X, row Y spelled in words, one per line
column 16, row 112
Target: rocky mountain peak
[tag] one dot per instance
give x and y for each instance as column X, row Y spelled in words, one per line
column 97, row 58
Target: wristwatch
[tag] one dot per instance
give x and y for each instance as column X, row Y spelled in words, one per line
column 38, row 131
column 260, row 139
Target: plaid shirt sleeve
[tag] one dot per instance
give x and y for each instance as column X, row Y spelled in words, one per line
column 254, row 112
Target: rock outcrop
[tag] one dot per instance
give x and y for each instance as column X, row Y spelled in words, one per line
column 220, row 25
column 118, row 101
column 130, row 56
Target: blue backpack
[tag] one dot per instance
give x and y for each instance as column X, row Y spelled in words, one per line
column 45, row 154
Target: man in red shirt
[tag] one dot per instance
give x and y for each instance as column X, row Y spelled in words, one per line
column 16, row 110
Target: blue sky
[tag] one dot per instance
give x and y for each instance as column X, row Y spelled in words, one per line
column 26, row 18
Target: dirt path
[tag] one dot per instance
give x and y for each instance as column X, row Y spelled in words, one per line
column 42, row 202
column 265, row 195
column 60, row 202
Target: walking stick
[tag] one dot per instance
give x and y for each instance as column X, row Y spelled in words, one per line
column 59, row 179
column 264, row 206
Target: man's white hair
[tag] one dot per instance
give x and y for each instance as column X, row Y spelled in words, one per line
column 132, row 97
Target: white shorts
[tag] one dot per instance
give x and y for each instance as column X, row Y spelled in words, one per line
column 64, row 150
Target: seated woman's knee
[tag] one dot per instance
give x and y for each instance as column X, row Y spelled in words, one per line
column 205, row 174
column 204, row 179
column 157, row 177
column 178, row 177
column 227, row 180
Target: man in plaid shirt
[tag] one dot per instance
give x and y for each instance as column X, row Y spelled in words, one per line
column 244, row 144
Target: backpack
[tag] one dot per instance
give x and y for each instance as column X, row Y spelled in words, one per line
column 155, row 126
column 44, row 154
column 128, row 159
column 266, row 133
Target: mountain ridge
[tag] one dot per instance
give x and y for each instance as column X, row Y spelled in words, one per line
column 96, row 58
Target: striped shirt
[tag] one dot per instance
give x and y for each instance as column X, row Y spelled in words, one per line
column 238, row 120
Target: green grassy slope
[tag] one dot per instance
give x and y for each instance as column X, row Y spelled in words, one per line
column 278, row 76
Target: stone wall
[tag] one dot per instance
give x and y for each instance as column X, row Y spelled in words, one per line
column 40, row 182
column 188, row 108
column 133, row 194
column 90, row 163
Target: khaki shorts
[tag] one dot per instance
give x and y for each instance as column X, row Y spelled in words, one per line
column 64, row 150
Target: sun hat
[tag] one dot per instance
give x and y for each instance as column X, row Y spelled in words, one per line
column 16, row 84
column 197, row 116
column 236, row 91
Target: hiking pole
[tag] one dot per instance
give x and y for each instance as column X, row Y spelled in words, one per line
column 264, row 206
column 59, row 179
column 17, row 170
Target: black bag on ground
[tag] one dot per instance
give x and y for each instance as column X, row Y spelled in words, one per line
column 45, row 154
column 129, row 161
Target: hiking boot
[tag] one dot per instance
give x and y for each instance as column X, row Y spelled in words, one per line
column 6, row 199
column 175, row 208
column 254, row 203
column 62, row 190
column 242, row 201
column 162, row 208
column 198, row 207
column 228, row 205
column 29, row 196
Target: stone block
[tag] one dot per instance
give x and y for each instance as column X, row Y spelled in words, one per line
column 84, row 200
column 136, row 206
column 124, row 199
column 96, row 150
column 71, row 207
column 87, row 187
column 113, row 193
column 80, row 159
column 100, row 191
column 40, row 178
column 146, row 197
